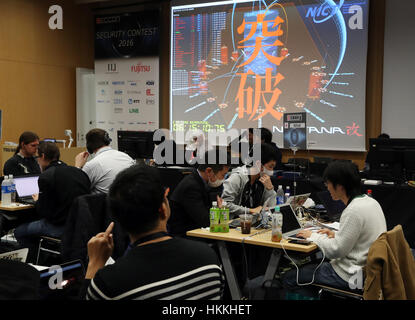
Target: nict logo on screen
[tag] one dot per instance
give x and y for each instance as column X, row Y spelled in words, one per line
column 244, row 64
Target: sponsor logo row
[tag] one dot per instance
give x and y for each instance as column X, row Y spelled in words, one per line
column 137, row 68
column 149, row 93
column 132, row 83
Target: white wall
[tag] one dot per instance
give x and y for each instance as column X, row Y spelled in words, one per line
column 398, row 114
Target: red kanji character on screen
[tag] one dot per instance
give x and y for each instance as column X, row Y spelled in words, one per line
column 353, row 130
column 258, row 41
column 271, row 83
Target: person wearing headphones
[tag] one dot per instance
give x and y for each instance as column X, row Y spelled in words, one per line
column 106, row 162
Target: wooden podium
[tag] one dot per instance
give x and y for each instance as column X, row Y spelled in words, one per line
column 67, row 154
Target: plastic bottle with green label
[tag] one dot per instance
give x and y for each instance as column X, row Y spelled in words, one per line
column 214, row 217
column 276, row 225
column 224, row 218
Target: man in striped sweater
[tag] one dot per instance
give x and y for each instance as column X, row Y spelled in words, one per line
column 156, row 266
column 361, row 223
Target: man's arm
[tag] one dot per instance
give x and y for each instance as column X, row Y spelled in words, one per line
column 230, row 194
column 193, row 203
column 343, row 241
column 11, row 167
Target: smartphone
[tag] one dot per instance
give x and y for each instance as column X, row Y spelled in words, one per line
column 298, row 241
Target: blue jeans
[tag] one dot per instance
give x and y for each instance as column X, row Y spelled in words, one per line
column 28, row 234
column 324, row 275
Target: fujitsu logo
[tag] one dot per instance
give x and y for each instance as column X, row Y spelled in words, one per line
column 140, row 68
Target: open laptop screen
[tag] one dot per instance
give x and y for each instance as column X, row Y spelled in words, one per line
column 289, row 220
column 26, row 185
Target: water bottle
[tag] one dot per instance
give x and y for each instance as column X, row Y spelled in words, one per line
column 276, row 225
column 369, row 193
column 214, row 217
column 224, row 218
column 280, row 195
column 5, row 192
column 287, row 193
column 13, row 188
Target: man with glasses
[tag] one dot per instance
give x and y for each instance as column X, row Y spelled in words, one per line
column 24, row 160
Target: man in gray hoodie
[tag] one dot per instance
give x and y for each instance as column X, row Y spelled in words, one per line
column 249, row 187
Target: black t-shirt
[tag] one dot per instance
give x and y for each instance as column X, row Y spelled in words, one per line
column 252, row 194
column 20, row 166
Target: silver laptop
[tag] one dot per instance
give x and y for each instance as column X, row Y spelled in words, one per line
column 290, row 224
column 17, row 255
column 298, row 200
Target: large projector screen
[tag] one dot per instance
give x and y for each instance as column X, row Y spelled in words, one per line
column 243, row 64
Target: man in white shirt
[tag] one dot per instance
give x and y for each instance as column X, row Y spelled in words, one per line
column 106, row 162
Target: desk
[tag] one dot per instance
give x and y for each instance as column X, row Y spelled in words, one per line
column 10, row 212
column 256, row 237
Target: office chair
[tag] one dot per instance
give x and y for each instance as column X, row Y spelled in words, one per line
column 376, row 261
column 329, row 293
column 325, row 160
column 49, row 251
column 301, row 162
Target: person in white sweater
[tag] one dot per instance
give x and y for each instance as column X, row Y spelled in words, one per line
column 361, row 223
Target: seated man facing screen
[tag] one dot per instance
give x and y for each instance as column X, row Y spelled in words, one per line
column 249, row 187
column 190, row 200
column 156, row 266
column 361, row 223
column 24, row 162
column 59, row 184
column 106, row 162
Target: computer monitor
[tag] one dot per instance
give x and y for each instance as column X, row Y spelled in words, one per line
column 386, row 158
column 137, row 144
column 409, row 164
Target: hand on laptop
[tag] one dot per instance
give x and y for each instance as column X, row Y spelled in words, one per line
column 304, row 234
column 329, row 233
column 35, row 196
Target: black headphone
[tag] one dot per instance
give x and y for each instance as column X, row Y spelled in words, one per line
column 107, row 140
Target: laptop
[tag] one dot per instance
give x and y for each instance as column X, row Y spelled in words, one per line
column 298, row 200
column 334, row 207
column 16, row 255
column 290, row 224
column 62, row 284
column 26, row 186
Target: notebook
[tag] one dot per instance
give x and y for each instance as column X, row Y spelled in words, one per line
column 16, row 255
column 298, row 200
column 62, row 282
column 26, row 186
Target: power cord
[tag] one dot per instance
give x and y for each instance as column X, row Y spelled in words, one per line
column 245, row 257
column 298, row 271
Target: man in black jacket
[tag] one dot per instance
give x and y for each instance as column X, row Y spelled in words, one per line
column 190, row 201
column 59, row 185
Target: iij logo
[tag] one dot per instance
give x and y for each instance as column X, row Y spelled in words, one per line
column 56, row 21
